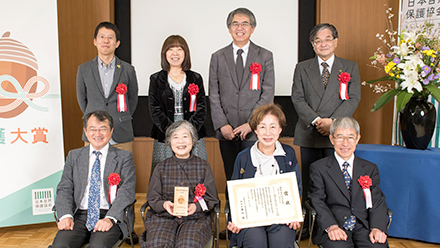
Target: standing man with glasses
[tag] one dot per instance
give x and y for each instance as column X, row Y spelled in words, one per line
column 350, row 207
column 241, row 78
column 109, row 84
column 324, row 88
column 86, row 211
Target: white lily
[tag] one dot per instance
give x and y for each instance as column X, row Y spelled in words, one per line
column 403, row 49
column 411, row 82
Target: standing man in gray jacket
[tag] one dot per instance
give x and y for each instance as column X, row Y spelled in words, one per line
column 241, row 78
column 109, row 84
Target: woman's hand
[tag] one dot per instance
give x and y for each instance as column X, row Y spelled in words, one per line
column 294, row 225
column 169, row 207
column 191, row 208
column 233, row 228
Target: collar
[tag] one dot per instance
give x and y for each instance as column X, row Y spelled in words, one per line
column 258, row 157
column 110, row 66
column 341, row 161
column 329, row 61
column 245, row 48
column 103, row 151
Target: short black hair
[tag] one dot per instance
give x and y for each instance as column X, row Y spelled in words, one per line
column 101, row 116
column 108, row 25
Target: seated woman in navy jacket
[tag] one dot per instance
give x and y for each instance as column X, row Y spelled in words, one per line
column 265, row 158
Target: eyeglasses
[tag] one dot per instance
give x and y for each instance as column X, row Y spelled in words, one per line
column 235, row 25
column 341, row 139
column 101, row 130
column 319, row 42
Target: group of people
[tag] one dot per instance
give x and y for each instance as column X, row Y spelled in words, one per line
column 98, row 180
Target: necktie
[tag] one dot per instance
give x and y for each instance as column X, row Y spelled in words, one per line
column 325, row 74
column 94, row 197
column 239, row 65
column 350, row 222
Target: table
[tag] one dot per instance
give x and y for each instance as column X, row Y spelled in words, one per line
column 411, row 184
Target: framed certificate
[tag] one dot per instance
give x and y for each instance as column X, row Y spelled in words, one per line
column 265, row 201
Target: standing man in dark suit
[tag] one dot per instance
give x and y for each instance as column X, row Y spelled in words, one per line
column 86, row 211
column 241, row 78
column 109, row 84
column 351, row 208
column 317, row 99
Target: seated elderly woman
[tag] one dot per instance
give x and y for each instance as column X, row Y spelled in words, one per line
column 265, row 158
column 162, row 227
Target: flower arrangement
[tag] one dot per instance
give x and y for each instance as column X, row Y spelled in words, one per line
column 411, row 60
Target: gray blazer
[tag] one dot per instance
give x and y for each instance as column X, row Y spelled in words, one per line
column 311, row 100
column 232, row 103
column 91, row 96
column 73, row 182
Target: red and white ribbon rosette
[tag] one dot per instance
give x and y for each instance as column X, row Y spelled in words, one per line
column 193, row 89
column 344, row 78
column 199, row 193
column 121, row 89
column 113, row 180
column 366, row 182
column 255, row 76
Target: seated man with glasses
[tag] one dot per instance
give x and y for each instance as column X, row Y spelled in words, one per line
column 324, row 88
column 350, row 207
column 87, row 213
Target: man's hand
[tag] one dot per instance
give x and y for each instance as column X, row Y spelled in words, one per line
column 378, row 236
column 323, row 126
column 103, row 225
column 336, row 233
column 65, row 224
column 191, row 208
column 169, row 207
column 227, row 132
column 243, row 131
column 233, row 228
column 294, row 225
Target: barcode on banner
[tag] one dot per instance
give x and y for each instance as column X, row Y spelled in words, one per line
column 42, row 201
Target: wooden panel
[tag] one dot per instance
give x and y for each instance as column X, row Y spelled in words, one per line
column 143, row 154
column 357, row 23
column 76, row 25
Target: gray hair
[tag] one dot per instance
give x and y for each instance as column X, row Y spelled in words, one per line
column 320, row 27
column 241, row 11
column 176, row 126
column 345, row 123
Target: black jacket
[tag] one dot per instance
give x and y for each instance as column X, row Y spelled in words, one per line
column 161, row 100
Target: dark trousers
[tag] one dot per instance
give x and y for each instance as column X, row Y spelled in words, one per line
column 308, row 156
column 229, row 150
column 359, row 237
column 80, row 235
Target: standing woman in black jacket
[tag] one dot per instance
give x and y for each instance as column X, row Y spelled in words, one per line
column 176, row 93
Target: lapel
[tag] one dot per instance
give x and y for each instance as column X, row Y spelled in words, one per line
column 314, row 76
column 229, row 57
column 251, row 58
column 358, row 170
column 83, row 168
column 116, row 76
column 110, row 167
column 333, row 82
column 336, row 174
column 96, row 76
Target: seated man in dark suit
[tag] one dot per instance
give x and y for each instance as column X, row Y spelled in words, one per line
column 351, row 209
column 86, row 211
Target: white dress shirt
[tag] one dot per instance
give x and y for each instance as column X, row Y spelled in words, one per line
column 349, row 161
column 244, row 55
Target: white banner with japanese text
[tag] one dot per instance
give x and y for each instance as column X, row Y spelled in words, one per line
column 31, row 137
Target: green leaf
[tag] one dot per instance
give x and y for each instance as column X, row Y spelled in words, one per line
column 435, row 91
column 386, row 78
column 373, row 57
column 402, row 99
column 385, row 98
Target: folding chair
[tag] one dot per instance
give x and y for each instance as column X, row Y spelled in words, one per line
column 214, row 241
column 126, row 219
column 227, row 211
column 312, row 218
